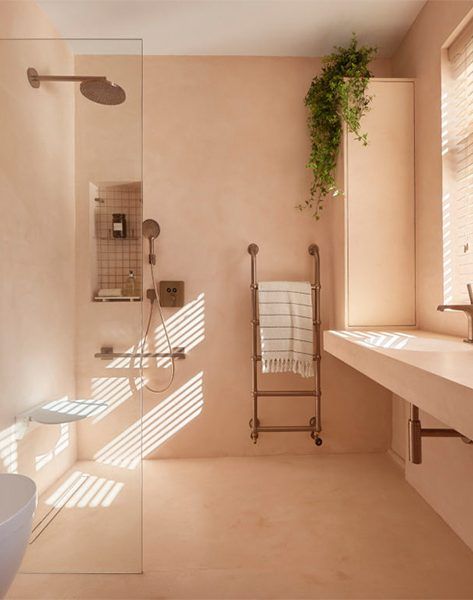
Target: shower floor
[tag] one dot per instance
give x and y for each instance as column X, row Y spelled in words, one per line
column 88, row 521
column 334, row 526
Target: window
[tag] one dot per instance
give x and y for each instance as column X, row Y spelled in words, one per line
column 457, row 153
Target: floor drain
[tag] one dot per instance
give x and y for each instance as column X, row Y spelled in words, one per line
column 55, row 510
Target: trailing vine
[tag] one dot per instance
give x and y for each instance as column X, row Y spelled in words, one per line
column 335, row 96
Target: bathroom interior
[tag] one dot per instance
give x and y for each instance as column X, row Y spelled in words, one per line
column 154, row 156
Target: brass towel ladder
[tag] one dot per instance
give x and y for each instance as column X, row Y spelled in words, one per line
column 315, row 425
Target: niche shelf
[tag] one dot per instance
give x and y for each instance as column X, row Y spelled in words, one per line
column 117, row 298
column 114, row 257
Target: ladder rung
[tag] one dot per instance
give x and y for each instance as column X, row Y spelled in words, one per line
column 276, row 428
column 258, row 358
column 286, row 393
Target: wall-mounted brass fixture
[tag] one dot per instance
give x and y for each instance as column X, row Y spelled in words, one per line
column 416, row 432
column 93, row 87
column 107, row 353
column 468, row 310
column 465, row 308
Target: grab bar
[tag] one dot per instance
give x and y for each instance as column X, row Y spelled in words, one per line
column 107, row 353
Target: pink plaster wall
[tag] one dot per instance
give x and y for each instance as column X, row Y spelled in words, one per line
column 444, row 478
column 225, row 144
column 36, row 240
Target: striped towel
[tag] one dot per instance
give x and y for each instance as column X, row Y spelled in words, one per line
column 286, row 333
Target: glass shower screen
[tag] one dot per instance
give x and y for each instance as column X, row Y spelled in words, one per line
column 72, row 153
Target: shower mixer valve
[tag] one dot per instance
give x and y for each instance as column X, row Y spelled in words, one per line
column 171, row 293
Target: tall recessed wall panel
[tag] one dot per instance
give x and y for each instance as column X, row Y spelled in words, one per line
column 380, row 211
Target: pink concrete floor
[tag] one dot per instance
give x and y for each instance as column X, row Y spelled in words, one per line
column 334, row 526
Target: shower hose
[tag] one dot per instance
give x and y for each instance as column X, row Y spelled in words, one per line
column 166, row 335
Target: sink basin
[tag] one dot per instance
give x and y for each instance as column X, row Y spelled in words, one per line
column 406, row 341
column 432, row 371
column 17, row 506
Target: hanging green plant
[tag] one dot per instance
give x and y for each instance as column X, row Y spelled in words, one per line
column 335, row 96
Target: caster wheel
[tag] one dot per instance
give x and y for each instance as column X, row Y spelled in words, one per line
column 253, row 434
column 318, row 441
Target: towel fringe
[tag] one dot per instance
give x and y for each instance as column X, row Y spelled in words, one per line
column 305, row 368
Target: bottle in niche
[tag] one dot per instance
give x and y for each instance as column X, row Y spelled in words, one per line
column 130, row 287
column 119, row 225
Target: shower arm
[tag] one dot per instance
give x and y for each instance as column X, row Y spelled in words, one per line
column 35, row 78
column 68, row 78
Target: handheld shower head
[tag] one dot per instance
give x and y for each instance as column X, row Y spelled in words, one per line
column 151, row 231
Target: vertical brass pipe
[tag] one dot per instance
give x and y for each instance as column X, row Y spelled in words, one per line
column 415, row 436
column 253, row 251
column 316, row 321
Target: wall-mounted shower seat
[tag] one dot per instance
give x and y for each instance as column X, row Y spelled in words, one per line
column 57, row 412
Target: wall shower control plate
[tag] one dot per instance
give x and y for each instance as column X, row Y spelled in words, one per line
column 171, row 293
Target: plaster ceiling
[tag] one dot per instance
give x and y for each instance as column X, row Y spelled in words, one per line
column 232, row 27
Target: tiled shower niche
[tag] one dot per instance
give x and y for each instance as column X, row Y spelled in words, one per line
column 117, row 248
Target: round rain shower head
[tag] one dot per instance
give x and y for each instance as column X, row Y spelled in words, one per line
column 151, row 229
column 102, row 91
